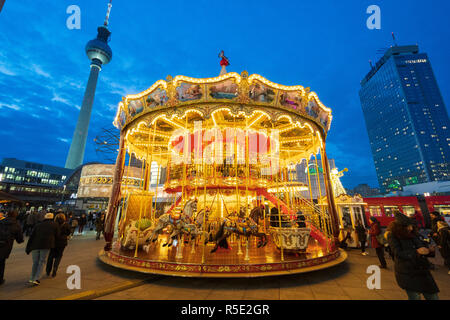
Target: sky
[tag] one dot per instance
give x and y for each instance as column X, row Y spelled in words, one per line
column 322, row 44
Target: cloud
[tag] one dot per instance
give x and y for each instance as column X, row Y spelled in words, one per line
column 58, row 98
column 63, row 140
column 10, row 106
column 38, row 70
column 6, row 71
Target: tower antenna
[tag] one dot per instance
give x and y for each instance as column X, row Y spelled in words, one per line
column 108, row 13
column 393, row 37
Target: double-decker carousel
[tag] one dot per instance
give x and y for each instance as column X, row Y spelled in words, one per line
column 234, row 207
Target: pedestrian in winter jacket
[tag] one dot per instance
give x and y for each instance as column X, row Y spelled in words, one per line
column 375, row 230
column 10, row 230
column 444, row 242
column 42, row 239
column 362, row 236
column 435, row 217
column 100, row 225
column 56, row 253
column 81, row 223
column 412, row 269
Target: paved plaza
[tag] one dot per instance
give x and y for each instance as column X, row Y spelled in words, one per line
column 99, row 281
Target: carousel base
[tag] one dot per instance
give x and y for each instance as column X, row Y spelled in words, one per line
column 224, row 263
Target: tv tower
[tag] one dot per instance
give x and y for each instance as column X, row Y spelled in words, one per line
column 99, row 52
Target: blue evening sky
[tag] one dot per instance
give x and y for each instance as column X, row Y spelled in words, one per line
column 320, row 44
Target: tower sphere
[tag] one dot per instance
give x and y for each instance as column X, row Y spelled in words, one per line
column 98, row 48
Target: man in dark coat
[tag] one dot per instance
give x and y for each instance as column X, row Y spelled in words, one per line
column 444, row 242
column 375, row 230
column 41, row 240
column 10, row 230
column 412, row 269
column 362, row 236
column 435, row 217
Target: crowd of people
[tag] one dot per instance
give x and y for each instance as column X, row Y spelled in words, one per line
column 409, row 248
column 48, row 234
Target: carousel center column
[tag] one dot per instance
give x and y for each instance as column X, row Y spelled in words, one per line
column 330, row 197
column 114, row 199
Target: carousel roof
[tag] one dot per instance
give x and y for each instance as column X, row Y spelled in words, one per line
column 228, row 90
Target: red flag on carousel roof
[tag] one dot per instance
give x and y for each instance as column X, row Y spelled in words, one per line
column 223, row 63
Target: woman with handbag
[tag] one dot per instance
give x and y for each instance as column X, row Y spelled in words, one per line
column 377, row 241
column 412, row 269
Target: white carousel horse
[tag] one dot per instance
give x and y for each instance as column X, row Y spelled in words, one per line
column 131, row 234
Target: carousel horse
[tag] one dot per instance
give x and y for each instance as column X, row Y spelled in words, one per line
column 131, row 234
column 192, row 229
column 174, row 219
column 244, row 227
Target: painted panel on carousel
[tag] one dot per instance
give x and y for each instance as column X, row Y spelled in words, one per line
column 188, row 92
column 224, row 90
column 313, row 108
column 291, row 99
column 135, row 107
column 261, row 93
column 122, row 118
column 323, row 117
column 157, row 98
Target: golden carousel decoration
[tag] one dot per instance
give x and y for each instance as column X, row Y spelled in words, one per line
column 228, row 147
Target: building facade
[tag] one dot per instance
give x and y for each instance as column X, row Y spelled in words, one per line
column 32, row 182
column 406, row 119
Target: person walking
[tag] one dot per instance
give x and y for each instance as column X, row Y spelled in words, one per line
column 10, row 230
column 31, row 222
column 56, row 253
column 100, row 225
column 375, row 237
column 42, row 239
column 81, row 223
column 362, row 236
column 444, row 242
column 412, row 269
column 435, row 217
column 73, row 222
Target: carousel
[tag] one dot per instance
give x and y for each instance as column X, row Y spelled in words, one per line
column 228, row 147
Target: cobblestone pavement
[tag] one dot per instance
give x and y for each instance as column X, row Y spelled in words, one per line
column 346, row 281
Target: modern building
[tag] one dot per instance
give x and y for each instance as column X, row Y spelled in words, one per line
column 99, row 52
column 365, row 190
column 32, row 182
column 315, row 175
column 406, row 120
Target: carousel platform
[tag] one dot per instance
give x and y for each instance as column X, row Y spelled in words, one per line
column 224, row 263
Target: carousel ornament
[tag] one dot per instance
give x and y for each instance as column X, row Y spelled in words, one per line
column 223, row 63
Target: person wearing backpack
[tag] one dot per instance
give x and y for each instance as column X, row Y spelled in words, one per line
column 377, row 241
column 444, row 242
column 10, row 230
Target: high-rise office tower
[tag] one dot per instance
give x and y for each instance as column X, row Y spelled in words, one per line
column 99, row 52
column 406, row 119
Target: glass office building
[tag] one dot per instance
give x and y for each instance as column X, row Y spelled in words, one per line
column 406, row 119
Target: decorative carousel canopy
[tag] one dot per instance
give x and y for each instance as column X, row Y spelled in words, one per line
column 252, row 106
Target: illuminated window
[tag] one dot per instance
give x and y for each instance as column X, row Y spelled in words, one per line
column 389, row 210
column 375, row 211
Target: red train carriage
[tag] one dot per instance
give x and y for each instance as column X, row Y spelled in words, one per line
column 440, row 204
column 383, row 208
